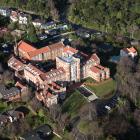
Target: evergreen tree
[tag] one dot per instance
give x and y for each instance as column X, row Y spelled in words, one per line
column 31, row 33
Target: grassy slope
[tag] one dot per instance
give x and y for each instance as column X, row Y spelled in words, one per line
column 102, row 89
column 73, row 104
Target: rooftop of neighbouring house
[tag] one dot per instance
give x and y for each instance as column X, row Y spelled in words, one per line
column 130, row 50
column 8, row 92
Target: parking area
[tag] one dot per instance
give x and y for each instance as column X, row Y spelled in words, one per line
column 89, row 95
column 103, row 106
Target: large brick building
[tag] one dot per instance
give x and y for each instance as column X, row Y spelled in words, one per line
column 71, row 66
column 78, row 65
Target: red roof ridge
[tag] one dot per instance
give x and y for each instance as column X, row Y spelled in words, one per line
column 95, row 69
column 38, row 51
column 70, row 49
column 25, row 46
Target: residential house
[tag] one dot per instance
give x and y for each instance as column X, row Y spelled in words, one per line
column 37, row 23
column 5, row 12
column 14, row 16
column 62, row 27
column 131, row 52
column 23, row 18
column 9, row 94
column 48, row 25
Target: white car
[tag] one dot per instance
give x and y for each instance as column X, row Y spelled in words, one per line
column 108, row 107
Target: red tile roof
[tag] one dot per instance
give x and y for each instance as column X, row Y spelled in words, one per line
column 32, row 51
column 95, row 57
column 38, row 51
column 130, row 50
column 70, row 49
column 56, row 46
column 100, row 67
column 25, row 47
column 95, row 69
column 18, row 84
column 49, row 95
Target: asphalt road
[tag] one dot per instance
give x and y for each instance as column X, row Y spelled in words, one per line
column 100, row 104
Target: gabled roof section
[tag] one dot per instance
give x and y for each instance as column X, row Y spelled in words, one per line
column 95, row 69
column 38, row 51
column 95, row 57
column 22, row 45
column 69, row 49
column 56, row 45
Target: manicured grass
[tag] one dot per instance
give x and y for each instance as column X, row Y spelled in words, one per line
column 73, row 104
column 85, row 127
column 3, row 106
column 103, row 89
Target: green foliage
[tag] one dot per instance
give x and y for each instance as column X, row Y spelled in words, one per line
column 39, row 7
column 13, row 25
column 102, row 90
column 73, row 104
column 4, row 21
column 31, row 33
column 111, row 16
column 3, row 106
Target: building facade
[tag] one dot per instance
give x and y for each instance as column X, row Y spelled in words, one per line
column 29, row 52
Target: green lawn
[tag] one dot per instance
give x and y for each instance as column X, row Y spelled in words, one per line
column 84, row 127
column 102, row 90
column 3, row 106
column 73, row 104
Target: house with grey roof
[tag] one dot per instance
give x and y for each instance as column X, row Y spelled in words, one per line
column 9, row 94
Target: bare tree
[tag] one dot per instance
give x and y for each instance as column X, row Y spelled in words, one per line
column 53, row 10
column 55, row 112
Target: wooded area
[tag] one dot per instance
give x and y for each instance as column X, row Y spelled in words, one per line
column 108, row 16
